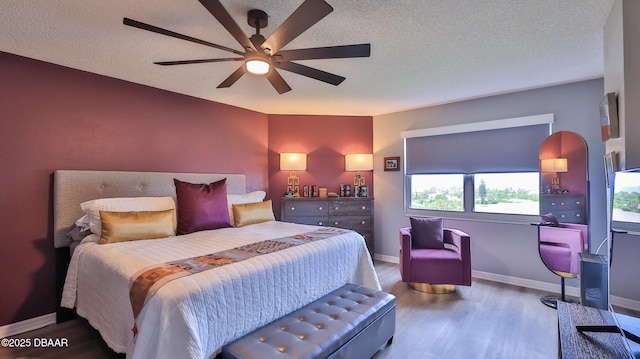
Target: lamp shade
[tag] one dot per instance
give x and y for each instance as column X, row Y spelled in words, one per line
column 359, row 162
column 554, row 165
column 293, row 161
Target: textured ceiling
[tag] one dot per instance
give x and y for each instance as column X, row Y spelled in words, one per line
column 423, row 52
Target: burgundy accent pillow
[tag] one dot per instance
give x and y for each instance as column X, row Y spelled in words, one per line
column 427, row 233
column 201, row 206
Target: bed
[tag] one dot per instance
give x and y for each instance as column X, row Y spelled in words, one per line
column 193, row 316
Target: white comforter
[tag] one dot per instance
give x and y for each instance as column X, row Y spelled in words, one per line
column 194, row 316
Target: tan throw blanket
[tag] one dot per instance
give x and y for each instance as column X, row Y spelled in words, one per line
column 147, row 281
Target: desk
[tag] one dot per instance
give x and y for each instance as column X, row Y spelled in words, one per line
column 574, row 344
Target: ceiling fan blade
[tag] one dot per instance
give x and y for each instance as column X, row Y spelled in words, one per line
column 158, row 30
column 305, row 16
column 235, row 76
column 278, row 82
column 311, row 72
column 330, row 52
column 257, row 40
column 220, row 13
column 202, row 61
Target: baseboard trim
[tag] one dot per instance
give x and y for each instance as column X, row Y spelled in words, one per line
column 532, row 284
column 625, row 303
column 27, row 325
column 526, row 283
column 385, row 258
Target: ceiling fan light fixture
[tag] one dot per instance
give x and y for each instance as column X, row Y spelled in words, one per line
column 257, row 66
column 261, row 56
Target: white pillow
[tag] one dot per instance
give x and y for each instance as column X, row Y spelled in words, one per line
column 125, row 204
column 83, row 222
column 251, row 197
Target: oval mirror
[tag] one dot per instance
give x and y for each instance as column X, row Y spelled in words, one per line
column 564, row 185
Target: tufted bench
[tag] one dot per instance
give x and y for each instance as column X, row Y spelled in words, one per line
column 350, row 322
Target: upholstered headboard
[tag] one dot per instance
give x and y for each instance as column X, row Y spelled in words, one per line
column 71, row 188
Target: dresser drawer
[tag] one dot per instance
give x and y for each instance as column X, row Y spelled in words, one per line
column 314, row 221
column 297, row 208
column 559, row 203
column 569, row 216
column 350, row 208
column 357, row 223
column 566, row 208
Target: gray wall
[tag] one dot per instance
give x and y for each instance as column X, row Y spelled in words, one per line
column 622, row 76
column 503, row 249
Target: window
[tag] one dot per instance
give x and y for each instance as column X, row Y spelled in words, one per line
column 485, row 171
column 510, row 193
column 437, row 192
column 626, row 201
column 492, row 196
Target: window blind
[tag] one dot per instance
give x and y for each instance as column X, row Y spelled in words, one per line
column 513, row 149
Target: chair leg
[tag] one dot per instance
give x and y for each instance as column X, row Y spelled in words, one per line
column 551, row 301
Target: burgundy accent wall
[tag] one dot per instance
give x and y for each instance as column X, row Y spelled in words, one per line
column 325, row 140
column 53, row 117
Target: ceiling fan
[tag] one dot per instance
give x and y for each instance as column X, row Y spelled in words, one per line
column 262, row 56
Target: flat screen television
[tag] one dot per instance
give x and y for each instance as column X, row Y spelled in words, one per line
column 625, row 218
column 625, row 213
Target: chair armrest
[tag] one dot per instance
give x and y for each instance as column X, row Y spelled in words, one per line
column 460, row 239
column 585, row 233
column 405, row 253
column 405, row 238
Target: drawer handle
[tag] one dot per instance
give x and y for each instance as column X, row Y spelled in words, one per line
column 337, row 208
column 553, row 203
column 577, row 214
column 578, row 202
column 319, row 208
column 293, row 208
column 562, row 203
column 335, row 223
column 364, row 207
column 562, row 215
column 320, row 223
column 364, row 222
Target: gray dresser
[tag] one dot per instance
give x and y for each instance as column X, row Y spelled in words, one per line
column 342, row 212
column 568, row 208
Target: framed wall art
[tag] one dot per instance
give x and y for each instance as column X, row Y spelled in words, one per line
column 609, row 117
column 610, row 166
column 392, row 163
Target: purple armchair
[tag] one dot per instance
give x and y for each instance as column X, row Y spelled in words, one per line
column 449, row 266
column 559, row 246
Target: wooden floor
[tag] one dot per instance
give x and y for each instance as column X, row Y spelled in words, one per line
column 486, row 320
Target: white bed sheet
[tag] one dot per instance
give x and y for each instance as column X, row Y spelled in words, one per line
column 194, row 316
